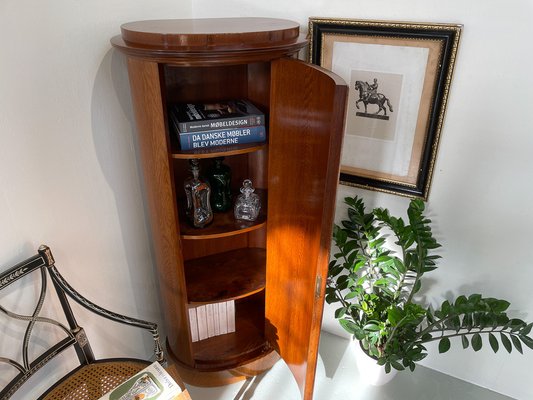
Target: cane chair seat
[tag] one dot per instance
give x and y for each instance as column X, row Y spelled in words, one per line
column 92, row 381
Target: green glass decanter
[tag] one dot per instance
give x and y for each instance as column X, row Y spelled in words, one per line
column 219, row 177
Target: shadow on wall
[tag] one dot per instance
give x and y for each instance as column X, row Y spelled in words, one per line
column 113, row 128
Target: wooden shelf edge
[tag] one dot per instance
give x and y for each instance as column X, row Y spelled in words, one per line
column 237, row 231
column 228, row 363
column 226, row 376
column 195, row 303
column 221, row 151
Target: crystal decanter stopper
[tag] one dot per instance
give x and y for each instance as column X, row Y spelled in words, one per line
column 198, row 192
column 219, row 177
column 248, row 204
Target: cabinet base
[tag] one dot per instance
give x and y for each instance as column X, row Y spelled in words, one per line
column 196, row 377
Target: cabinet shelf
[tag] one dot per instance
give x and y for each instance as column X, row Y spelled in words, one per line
column 224, row 224
column 225, row 276
column 230, row 350
column 247, row 342
column 220, row 151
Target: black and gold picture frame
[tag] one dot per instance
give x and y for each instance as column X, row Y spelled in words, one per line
column 399, row 76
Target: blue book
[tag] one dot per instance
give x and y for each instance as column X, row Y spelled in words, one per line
column 223, row 137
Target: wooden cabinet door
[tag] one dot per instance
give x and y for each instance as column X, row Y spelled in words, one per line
column 306, row 130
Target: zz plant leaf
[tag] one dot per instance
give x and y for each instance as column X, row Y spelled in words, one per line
column 376, row 284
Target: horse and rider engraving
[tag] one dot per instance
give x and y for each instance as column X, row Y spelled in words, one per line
column 368, row 94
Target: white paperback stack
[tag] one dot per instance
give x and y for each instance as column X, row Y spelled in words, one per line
column 212, row 319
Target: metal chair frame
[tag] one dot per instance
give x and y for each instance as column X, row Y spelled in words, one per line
column 44, row 263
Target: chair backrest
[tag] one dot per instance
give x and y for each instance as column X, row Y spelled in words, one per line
column 74, row 336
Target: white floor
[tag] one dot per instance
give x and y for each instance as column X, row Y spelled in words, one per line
column 337, row 378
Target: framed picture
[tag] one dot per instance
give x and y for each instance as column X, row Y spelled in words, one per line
column 399, row 77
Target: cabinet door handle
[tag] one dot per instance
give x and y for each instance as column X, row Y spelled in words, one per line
column 318, row 287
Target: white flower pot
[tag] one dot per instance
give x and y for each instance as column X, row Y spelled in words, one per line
column 369, row 370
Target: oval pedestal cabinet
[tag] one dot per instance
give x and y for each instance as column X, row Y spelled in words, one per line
column 238, row 294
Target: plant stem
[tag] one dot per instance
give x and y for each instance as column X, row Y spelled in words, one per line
column 398, row 291
column 469, row 332
column 393, row 332
column 462, row 331
column 418, row 271
column 340, row 297
column 412, row 293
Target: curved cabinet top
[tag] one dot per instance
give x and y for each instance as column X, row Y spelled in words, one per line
column 210, row 41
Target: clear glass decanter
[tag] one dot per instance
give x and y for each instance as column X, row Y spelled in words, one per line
column 248, row 204
column 198, row 192
column 219, row 177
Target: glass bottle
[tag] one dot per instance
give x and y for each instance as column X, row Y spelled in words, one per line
column 248, row 204
column 219, row 177
column 198, row 192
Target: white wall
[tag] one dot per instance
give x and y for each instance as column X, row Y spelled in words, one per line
column 68, row 170
column 69, row 175
column 481, row 194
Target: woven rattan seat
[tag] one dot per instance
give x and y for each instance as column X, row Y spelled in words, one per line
column 90, row 382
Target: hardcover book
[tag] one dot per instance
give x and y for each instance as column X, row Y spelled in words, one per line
column 199, row 117
column 225, row 137
column 194, row 324
column 223, row 319
column 201, row 320
column 211, row 317
column 230, row 314
column 151, row 383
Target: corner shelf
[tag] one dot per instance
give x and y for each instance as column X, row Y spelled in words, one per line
column 230, row 275
column 247, row 342
column 225, row 224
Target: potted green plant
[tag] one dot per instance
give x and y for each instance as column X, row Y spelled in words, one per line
column 376, row 287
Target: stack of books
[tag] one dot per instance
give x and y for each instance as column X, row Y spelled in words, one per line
column 212, row 319
column 203, row 125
